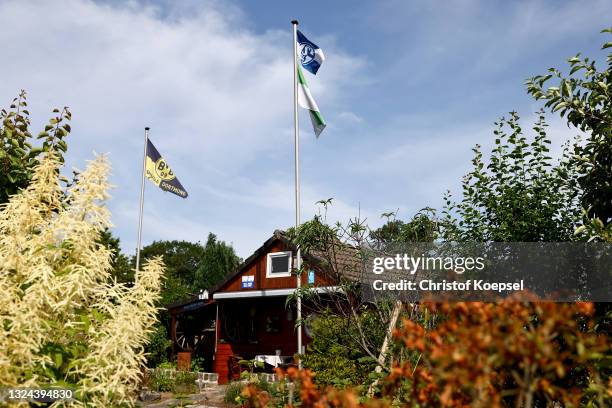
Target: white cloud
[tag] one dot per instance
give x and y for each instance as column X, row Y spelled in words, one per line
column 217, row 95
column 217, row 98
column 350, row 118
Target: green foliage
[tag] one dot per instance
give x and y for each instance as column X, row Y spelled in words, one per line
column 232, row 392
column 191, row 266
column 158, row 346
column 519, row 194
column 276, row 394
column 161, row 380
column 198, row 364
column 217, row 261
column 423, row 227
column 594, row 229
column 18, row 156
column 184, row 382
column 122, row 269
column 169, row 365
column 334, row 354
column 585, row 99
column 183, row 259
column 167, row 378
column 314, row 235
column 267, row 386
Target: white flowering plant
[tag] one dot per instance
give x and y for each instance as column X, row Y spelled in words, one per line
column 63, row 321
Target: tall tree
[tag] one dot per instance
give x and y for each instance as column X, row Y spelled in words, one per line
column 422, row 227
column 218, row 260
column 18, row 156
column 122, row 267
column 584, row 98
column 519, row 193
column 190, row 267
column 182, row 260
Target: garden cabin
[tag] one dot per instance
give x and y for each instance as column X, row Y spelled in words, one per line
column 247, row 316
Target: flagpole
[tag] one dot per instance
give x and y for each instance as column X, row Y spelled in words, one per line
column 296, row 131
column 142, row 189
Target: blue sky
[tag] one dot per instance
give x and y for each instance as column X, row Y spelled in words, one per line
column 407, row 89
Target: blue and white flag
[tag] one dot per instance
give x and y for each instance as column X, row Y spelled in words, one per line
column 311, row 56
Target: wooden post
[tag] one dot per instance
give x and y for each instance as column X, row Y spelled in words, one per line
column 173, row 335
column 383, row 350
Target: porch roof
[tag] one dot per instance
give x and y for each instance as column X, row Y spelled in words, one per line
column 269, row 292
column 191, row 303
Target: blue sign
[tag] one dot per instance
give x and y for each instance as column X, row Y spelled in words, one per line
column 248, row 282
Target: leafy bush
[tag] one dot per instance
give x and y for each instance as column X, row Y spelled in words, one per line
column 518, row 193
column 198, row 364
column 158, row 346
column 584, row 99
column 161, row 380
column 165, row 378
column 333, row 354
column 18, row 157
column 505, row 354
column 184, row 382
column 232, row 392
column 168, row 365
column 269, row 394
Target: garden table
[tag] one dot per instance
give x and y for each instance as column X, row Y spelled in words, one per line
column 271, row 359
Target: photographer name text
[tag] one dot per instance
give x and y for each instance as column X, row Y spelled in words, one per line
column 444, row 285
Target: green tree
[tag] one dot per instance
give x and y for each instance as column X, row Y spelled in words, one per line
column 190, row 267
column 158, row 346
column 122, row 266
column 182, row 259
column 350, row 333
column 423, row 227
column 584, row 98
column 218, row 260
column 18, row 156
column 519, row 194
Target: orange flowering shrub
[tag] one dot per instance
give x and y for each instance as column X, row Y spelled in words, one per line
column 505, row 354
column 309, row 394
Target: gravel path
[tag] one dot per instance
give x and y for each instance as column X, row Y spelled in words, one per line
column 211, row 397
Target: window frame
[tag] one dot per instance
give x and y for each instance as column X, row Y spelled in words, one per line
column 269, row 256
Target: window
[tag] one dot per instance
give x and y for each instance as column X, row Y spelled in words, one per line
column 279, row 264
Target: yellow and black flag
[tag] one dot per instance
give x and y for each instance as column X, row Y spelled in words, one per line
column 160, row 173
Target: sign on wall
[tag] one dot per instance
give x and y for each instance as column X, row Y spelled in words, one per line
column 248, row 281
column 311, row 277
